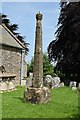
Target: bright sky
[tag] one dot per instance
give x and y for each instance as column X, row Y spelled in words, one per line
column 23, row 14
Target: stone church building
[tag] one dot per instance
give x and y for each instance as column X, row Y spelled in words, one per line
column 13, row 66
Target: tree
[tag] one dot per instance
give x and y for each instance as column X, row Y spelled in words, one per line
column 47, row 66
column 13, row 28
column 65, row 49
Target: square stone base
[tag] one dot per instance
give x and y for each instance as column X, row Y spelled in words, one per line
column 37, row 95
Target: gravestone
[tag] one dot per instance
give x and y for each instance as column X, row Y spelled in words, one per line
column 73, row 85
column 37, row 93
column 79, row 86
column 29, row 80
column 48, row 81
column 31, row 75
column 11, row 85
column 53, row 82
column 61, row 84
column 4, row 86
column 56, row 82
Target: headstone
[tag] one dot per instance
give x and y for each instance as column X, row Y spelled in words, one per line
column 31, row 75
column 62, row 84
column 48, row 81
column 56, row 80
column 52, row 82
column 48, row 84
column 49, row 78
column 74, row 88
column 11, row 85
column 29, row 80
column 75, row 84
column 72, row 84
column 4, row 86
column 79, row 86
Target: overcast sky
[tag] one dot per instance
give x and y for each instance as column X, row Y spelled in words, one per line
column 23, row 14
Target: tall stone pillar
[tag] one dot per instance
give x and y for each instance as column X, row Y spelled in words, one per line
column 37, row 93
column 38, row 57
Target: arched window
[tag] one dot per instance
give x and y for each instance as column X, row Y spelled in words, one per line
column 2, row 69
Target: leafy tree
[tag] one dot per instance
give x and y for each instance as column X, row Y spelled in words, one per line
column 65, row 49
column 13, row 28
column 47, row 66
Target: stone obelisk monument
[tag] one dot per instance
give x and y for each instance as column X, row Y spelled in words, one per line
column 38, row 57
column 37, row 93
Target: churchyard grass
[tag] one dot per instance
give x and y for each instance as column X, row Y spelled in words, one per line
column 64, row 104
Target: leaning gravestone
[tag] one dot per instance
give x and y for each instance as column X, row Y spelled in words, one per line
column 48, row 81
column 61, row 84
column 56, row 81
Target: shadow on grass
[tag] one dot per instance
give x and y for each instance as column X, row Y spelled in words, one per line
column 19, row 98
column 77, row 115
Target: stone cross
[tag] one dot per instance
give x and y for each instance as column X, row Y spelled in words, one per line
column 38, row 57
column 37, row 93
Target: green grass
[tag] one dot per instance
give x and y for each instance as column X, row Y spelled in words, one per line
column 64, row 104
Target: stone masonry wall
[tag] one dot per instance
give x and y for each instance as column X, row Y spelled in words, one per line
column 11, row 60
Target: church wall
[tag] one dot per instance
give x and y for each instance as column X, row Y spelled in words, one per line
column 11, row 60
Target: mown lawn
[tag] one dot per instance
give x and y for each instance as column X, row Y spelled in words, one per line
column 64, row 104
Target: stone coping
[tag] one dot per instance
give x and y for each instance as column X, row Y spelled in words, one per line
column 7, row 75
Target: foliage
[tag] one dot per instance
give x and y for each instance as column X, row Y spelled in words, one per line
column 62, row 105
column 13, row 28
column 66, row 48
column 47, row 66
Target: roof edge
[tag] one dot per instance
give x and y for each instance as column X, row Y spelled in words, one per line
column 13, row 35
